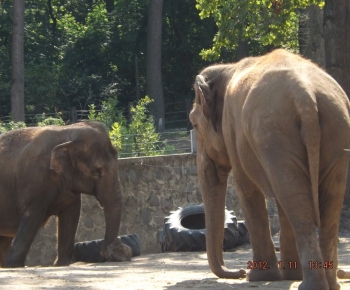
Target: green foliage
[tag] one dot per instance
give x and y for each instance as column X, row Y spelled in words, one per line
column 139, row 137
column 87, row 72
column 43, row 121
column 77, row 54
column 142, row 130
column 116, row 135
column 41, row 64
column 4, row 127
column 51, row 121
column 184, row 36
column 108, row 113
column 271, row 23
column 5, row 60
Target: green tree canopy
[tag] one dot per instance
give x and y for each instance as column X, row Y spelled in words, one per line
column 77, row 53
column 263, row 23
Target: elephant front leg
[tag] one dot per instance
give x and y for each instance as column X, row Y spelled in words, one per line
column 30, row 223
column 5, row 244
column 68, row 220
column 263, row 266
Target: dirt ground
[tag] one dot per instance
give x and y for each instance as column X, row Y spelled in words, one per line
column 172, row 271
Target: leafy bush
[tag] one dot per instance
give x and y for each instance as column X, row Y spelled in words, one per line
column 142, row 130
column 51, row 121
column 4, row 127
column 139, row 137
column 116, row 135
column 42, row 121
column 109, row 114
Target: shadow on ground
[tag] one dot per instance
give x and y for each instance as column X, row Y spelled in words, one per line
column 222, row 284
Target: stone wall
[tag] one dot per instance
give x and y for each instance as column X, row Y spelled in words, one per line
column 152, row 188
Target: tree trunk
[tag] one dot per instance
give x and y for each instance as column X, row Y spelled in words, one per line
column 137, row 78
column 53, row 17
column 337, row 34
column 109, row 6
column 153, row 62
column 17, row 84
column 242, row 49
column 311, row 35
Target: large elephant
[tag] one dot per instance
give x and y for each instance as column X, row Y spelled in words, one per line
column 43, row 171
column 281, row 124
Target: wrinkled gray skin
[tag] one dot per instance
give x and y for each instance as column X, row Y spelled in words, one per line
column 43, row 172
column 281, row 124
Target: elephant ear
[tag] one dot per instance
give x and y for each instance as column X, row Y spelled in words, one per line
column 206, row 98
column 60, row 156
column 114, row 151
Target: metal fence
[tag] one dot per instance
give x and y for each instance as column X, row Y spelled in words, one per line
column 176, row 116
column 171, row 142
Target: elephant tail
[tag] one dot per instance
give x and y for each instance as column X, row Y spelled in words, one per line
column 306, row 105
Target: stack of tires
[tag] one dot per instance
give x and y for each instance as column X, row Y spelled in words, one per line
column 184, row 230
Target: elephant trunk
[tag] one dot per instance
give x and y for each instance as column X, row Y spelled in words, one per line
column 213, row 183
column 110, row 196
column 112, row 214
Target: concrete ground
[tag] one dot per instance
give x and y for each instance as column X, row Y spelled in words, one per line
column 172, row 271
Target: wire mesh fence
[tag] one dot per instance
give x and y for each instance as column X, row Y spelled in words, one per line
column 173, row 142
column 134, row 145
column 176, row 115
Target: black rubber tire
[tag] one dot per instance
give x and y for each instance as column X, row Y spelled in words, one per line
column 184, row 230
column 89, row 251
column 243, row 236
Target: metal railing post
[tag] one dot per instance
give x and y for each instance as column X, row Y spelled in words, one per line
column 193, row 141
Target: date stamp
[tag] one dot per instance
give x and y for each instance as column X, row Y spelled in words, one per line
column 257, row 265
column 319, row 265
column 288, row 265
column 264, row 265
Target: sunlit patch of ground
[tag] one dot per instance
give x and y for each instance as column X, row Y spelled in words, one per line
column 173, row 271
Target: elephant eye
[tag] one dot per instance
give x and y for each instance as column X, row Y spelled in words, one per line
column 97, row 172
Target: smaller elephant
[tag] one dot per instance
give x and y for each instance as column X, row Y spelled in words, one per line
column 281, row 124
column 43, row 171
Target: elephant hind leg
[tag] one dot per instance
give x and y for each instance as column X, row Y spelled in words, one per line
column 290, row 262
column 332, row 190
column 291, row 188
column 254, row 208
column 5, row 244
column 293, row 193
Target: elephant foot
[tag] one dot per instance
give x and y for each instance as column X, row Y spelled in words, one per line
column 334, row 286
column 118, row 252
column 62, row 262
column 13, row 265
column 315, row 284
column 264, row 275
column 332, row 280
